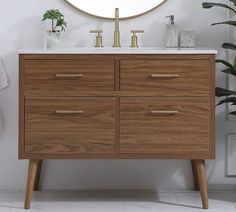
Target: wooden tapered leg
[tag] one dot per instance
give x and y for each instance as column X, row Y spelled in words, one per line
column 32, row 171
column 195, row 177
column 201, row 173
column 37, row 178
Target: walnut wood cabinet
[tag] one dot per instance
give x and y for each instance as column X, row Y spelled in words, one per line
column 117, row 107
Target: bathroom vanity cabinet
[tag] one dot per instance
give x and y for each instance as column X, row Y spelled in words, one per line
column 117, row 106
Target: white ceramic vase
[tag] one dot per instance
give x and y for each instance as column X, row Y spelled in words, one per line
column 53, row 39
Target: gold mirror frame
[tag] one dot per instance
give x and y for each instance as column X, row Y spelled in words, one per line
column 122, row 18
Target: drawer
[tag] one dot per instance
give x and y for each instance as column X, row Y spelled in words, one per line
column 164, row 75
column 69, row 125
column 66, row 75
column 168, row 127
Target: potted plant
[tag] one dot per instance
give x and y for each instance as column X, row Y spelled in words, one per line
column 230, row 68
column 58, row 25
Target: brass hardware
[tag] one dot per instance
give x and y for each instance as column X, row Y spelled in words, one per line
column 69, row 75
column 164, row 112
column 99, row 43
column 134, row 38
column 117, row 30
column 164, row 75
column 69, row 111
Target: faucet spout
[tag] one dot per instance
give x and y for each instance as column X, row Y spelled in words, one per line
column 117, row 30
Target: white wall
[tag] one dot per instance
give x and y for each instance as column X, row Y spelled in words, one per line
column 21, row 27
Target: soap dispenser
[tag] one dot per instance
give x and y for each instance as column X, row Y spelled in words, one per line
column 172, row 35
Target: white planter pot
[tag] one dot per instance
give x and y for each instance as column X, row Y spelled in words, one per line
column 53, row 40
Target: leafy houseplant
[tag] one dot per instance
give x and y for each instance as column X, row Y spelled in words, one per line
column 58, row 25
column 230, row 95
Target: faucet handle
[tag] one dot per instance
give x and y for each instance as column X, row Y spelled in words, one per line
column 99, row 43
column 134, row 38
column 96, row 31
column 137, row 31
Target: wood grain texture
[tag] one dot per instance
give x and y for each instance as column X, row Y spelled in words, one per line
column 117, row 125
column 52, row 133
column 38, row 175
column 192, row 75
column 32, row 169
column 119, row 156
column 212, row 105
column 40, row 75
column 117, row 93
column 195, row 176
column 201, row 173
column 118, row 109
column 21, row 132
column 113, row 65
column 117, row 57
column 177, row 134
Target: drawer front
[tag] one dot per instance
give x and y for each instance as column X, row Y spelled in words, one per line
column 69, row 125
column 164, row 75
column 167, row 126
column 66, row 75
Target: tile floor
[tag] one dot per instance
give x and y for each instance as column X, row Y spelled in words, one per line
column 118, row 201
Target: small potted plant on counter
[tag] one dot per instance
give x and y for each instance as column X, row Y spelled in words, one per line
column 58, row 25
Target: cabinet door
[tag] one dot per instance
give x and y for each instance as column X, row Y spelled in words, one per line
column 69, row 125
column 164, row 75
column 68, row 75
column 168, row 127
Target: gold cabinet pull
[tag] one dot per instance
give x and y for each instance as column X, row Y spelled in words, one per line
column 164, row 112
column 69, row 112
column 69, row 75
column 164, row 75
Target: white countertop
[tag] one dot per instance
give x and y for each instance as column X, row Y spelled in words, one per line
column 141, row 50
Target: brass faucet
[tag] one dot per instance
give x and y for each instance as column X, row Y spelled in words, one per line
column 117, row 30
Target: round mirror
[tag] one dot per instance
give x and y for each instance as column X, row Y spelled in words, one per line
column 106, row 8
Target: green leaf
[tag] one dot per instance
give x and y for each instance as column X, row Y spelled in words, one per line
column 229, row 71
column 229, row 46
column 231, row 68
column 57, row 19
column 234, row 2
column 52, row 14
column 228, row 100
column 225, row 63
column 235, row 63
column 233, row 113
column 220, row 92
column 61, row 23
column 208, row 5
column 232, row 23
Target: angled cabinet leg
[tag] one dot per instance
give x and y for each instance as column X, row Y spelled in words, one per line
column 38, row 174
column 201, row 173
column 32, row 171
column 195, row 177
